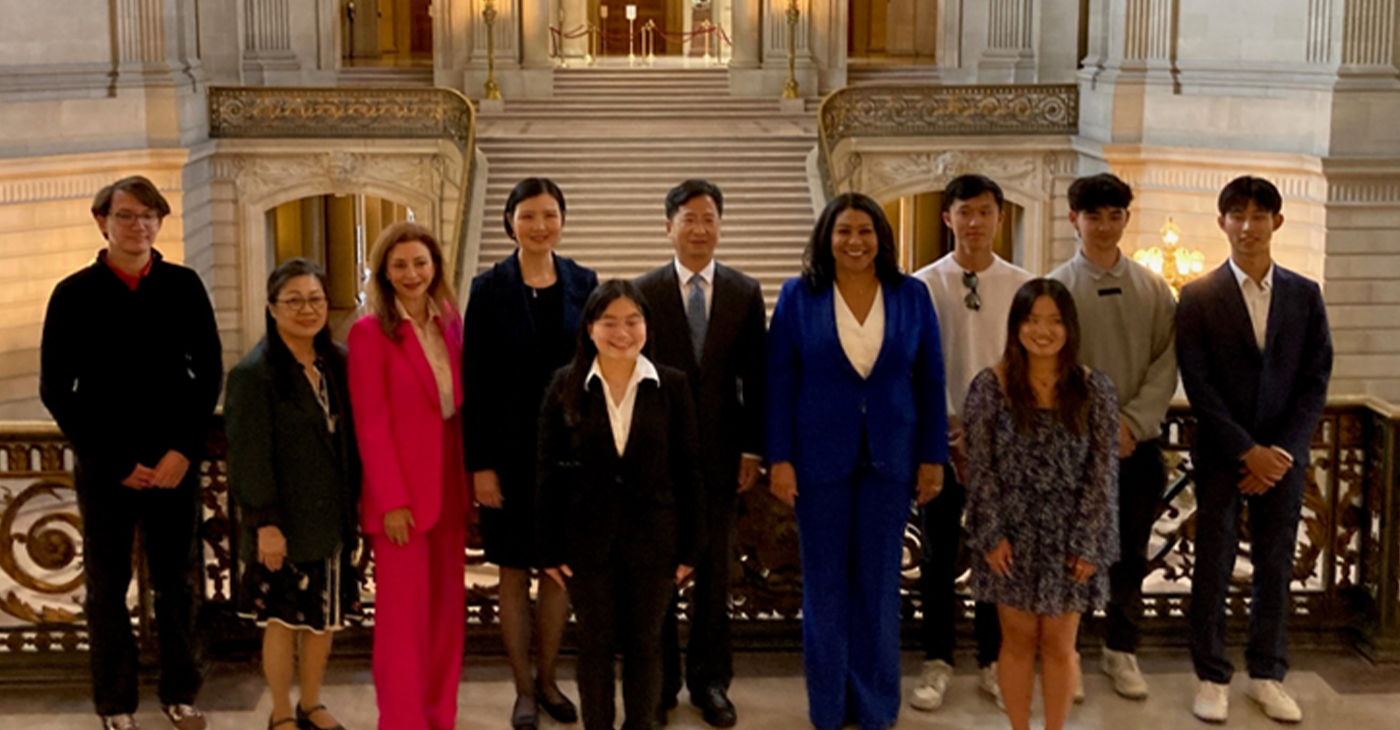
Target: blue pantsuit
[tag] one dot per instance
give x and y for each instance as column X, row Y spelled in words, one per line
column 855, row 443
column 851, row 532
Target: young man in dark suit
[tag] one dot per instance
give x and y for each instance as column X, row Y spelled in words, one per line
column 708, row 321
column 1255, row 355
column 130, row 368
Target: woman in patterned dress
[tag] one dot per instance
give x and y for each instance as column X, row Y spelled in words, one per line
column 1042, row 436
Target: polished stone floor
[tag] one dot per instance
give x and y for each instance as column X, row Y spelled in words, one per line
column 1337, row 690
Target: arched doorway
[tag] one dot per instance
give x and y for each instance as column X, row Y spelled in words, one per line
column 922, row 238
column 335, row 231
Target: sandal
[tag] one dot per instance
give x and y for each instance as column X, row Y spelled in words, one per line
column 271, row 723
column 562, row 711
column 304, row 719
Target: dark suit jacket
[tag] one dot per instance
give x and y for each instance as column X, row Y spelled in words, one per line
column 818, row 404
column 642, row 509
column 1239, row 395
column 730, row 381
column 285, row 466
column 501, row 364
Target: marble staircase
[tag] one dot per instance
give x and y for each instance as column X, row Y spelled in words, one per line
column 617, row 141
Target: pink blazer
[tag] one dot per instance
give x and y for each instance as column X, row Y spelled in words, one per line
column 398, row 419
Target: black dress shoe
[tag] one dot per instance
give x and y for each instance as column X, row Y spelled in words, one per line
column 716, row 708
column 562, row 711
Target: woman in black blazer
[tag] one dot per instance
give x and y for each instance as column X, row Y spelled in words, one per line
column 620, row 501
column 295, row 477
column 521, row 324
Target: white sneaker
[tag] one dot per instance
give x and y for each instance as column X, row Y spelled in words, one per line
column 1274, row 700
column 987, row 684
column 1212, row 702
column 928, row 695
column 1078, row 680
column 1122, row 668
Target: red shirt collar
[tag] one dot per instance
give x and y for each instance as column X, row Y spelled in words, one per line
column 131, row 281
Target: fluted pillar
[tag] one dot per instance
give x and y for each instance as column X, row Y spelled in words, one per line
column 268, row 57
column 534, row 38
column 1010, row 55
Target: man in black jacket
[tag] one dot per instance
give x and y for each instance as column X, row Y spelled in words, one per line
column 131, row 370
column 708, row 321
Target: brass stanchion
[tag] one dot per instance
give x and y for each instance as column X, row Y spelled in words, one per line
column 649, row 42
column 631, row 35
column 592, row 56
column 493, row 90
column 705, row 27
column 790, row 90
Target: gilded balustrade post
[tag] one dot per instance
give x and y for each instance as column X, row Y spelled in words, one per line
column 493, row 90
column 790, row 89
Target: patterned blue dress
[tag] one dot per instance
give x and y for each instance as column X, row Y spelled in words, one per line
column 1049, row 492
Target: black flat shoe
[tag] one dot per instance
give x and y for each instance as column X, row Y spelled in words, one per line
column 562, row 711
column 304, row 719
column 525, row 715
column 271, row 723
column 715, row 707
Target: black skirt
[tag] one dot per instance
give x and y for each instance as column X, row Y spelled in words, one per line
column 316, row 595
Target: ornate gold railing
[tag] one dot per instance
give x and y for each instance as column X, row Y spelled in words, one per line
column 364, row 113
column 935, row 110
column 1346, row 574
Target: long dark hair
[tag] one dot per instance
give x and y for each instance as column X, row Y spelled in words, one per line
column 819, row 264
column 1072, row 387
column 280, row 357
column 598, row 302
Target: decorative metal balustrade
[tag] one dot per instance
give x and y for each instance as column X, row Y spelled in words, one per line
column 359, row 113
column 879, row 110
column 1345, row 579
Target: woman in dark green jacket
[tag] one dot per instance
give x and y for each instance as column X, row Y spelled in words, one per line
column 294, row 474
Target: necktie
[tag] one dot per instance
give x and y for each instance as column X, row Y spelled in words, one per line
column 695, row 313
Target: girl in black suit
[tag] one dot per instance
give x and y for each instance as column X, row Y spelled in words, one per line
column 295, row 476
column 619, row 501
column 521, row 325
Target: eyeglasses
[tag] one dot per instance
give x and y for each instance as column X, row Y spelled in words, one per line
column 126, row 217
column 296, row 304
column 972, row 300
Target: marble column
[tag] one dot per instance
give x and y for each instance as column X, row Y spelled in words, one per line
column 745, row 34
column 268, row 57
column 1009, row 57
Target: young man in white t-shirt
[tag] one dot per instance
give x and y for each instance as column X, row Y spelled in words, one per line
column 972, row 289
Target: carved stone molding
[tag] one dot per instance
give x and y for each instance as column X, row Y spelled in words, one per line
column 340, row 114
column 1026, row 170
column 338, row 172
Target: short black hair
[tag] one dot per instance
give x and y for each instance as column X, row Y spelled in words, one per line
column 967, row 187
column 683, row 193
column 819, row 263
column 528, row 188
column 137, row 187
column 1104, row 190
column 1240, row 191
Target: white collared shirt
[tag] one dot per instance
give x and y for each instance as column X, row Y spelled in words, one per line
column 435, row 349
column 861, row 341
column 620, row 414
column 707, row 283
column 1257, row 298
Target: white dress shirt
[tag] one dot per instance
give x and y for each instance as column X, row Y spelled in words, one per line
column 707, row 283
column 1257, row 298
column 861, row 341
column 620, row 414
column 435, row 349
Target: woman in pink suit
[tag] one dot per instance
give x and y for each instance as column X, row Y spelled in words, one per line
column 405, row 384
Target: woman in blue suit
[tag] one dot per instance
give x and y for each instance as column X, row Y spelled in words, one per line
column 856, row 424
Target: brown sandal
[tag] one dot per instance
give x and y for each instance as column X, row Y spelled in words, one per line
column 271, row 723
column 304, row 722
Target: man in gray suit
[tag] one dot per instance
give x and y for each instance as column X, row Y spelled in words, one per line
column 708, row 320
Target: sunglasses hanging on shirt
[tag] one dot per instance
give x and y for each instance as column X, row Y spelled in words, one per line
column 973, row 300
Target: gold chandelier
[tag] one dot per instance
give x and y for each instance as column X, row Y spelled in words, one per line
column 1179, row 265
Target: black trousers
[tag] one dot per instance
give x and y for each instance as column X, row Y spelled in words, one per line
column 709, row 652
column 1142, row 478
column 168, row 520
column 943, row 538
column 1273, row 531
column 617, row 606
